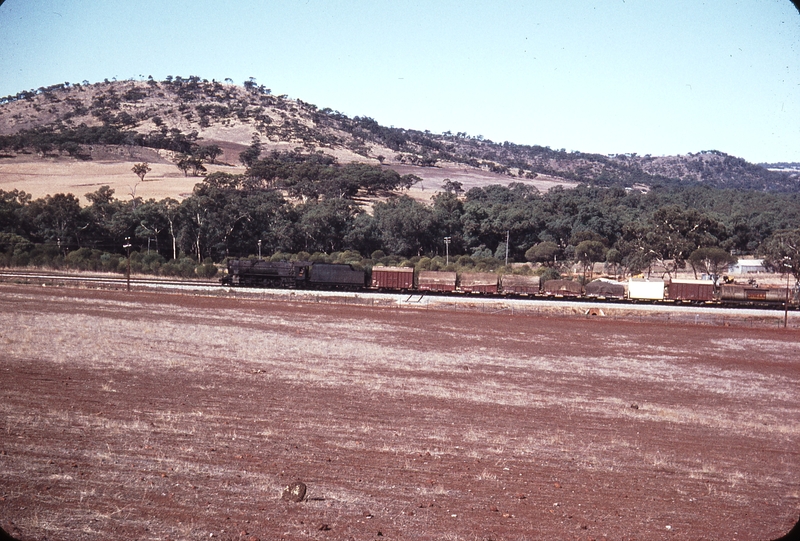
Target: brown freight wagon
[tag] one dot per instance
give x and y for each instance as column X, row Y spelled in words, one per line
column 563, row 288
column 691, row 290
column 517, row 284
column 436, row 281
column 478, row 282
column 399, row 278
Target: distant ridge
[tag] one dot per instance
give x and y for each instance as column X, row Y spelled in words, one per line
column 180, row 112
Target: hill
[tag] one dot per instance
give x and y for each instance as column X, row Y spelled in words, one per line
column 78, row 131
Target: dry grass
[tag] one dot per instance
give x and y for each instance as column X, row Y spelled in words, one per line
column 376, row 389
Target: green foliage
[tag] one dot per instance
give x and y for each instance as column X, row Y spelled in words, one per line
column 141, row 169
column 549, row 273
column 590, row 251
column 544, row 252
column 227, row 215
column 782, row 251
column 248, row 157
column 711, row 260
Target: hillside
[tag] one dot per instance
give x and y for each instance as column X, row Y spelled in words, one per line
column 79, row 126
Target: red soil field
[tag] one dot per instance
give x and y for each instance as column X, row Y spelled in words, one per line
column 174, row 416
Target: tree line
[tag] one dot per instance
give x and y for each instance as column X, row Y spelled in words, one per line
column 294, row 203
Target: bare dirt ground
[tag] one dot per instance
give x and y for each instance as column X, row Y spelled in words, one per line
column 164, row 416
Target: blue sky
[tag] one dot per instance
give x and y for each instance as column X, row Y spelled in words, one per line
column 607, row 76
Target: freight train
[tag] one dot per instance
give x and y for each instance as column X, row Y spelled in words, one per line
column 331, row 276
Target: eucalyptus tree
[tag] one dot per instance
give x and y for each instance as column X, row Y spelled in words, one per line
column 781, row 251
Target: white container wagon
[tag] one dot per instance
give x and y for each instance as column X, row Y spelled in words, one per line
column 646, row 290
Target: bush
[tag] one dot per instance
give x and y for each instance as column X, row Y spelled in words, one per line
column 280, row 256
column 46, row 255
column 84, row 259
column 207, row 270
column 152, row 263
column 109, row 262
column 14, row 250
column 183, row 268
column 549, row 273
column 301, row 256
column 319, row 257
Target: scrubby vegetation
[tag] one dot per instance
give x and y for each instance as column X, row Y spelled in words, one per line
column 304, row 202
column 305, row 206
column 67, row 118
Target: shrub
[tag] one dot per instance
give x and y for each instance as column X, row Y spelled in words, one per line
column 549, row 273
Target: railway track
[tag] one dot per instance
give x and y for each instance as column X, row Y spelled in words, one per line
column 711, row 314
column 101, row 281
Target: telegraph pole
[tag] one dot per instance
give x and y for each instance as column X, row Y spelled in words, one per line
column 786, row 301
column 259, row 248
column 447, row 250
column 127, row 245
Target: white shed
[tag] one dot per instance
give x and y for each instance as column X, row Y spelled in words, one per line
column 747, row 266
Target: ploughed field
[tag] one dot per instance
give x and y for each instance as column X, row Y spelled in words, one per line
column 155, row 415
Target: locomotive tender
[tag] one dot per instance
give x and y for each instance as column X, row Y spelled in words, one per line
column 326, row 276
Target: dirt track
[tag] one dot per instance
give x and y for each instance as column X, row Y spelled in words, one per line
column 157, row 416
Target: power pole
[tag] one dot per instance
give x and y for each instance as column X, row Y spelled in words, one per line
column 447, row 250
column 127, row 245
column 787, row 268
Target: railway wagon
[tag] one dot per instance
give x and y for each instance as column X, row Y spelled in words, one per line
column 516, row 284
column 563, row 288
column 691, row 290
column 479, row 282
column 261, row 273
column 436, row 281
column 646, row 290
column 605, row 289
column 746, row 294
column 396, row 278
column 336, row 276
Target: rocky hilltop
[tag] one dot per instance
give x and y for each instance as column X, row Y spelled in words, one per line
column 184, row 116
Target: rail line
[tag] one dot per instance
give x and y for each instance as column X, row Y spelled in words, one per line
column 102, row 281
column 139, row 282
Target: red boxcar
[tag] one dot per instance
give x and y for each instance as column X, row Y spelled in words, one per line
column 691, row 290
column 400, row 278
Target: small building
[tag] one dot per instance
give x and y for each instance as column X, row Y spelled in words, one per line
column 747, row 266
